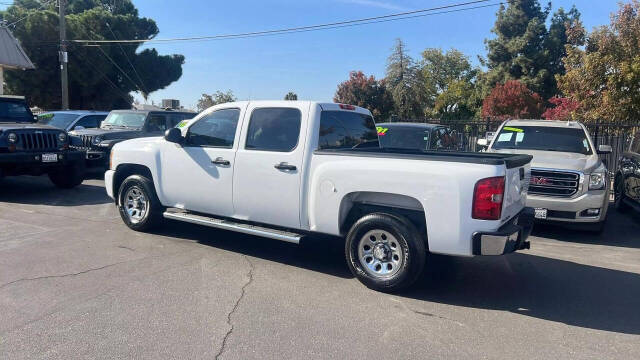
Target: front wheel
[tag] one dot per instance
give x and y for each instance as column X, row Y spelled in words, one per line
column 68, row 176
column 385, row 252
column 138, row 203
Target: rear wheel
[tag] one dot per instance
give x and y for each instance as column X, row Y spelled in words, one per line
column 385, row 252
column 618, row 195
column 138, row 203
column 68, row 176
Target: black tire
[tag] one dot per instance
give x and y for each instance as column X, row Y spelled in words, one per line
column 152, row 215
column 618, row 195
column 408, row 240
column 68, row 176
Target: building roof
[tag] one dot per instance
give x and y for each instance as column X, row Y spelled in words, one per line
column 11, row 53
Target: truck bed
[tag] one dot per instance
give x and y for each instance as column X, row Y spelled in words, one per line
column 509, row 160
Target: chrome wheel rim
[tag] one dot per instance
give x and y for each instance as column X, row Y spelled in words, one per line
column 136, row 204
column 380, row 254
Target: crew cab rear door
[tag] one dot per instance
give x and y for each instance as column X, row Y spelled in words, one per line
column 267, row 173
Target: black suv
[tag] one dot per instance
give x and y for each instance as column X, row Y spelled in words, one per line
column 27, row 148
column 123, row 125
column 627, row 178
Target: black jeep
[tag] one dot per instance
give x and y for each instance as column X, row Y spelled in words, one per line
column 27, row 148
column 123, row 125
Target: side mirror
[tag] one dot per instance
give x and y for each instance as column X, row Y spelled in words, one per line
column 174, row 135
column 483, row 142
column 79, row 127
column 605, row 149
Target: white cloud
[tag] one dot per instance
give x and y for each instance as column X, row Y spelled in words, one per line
column 379, row 4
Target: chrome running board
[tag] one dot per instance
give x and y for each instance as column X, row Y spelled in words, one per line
column 233, row 226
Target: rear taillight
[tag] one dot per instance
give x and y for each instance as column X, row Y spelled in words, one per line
column 487, row 198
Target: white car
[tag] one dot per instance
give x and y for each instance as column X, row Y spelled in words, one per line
column 569, row 182
column 286, row 169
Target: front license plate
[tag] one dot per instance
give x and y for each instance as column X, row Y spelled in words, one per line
column 49, row 157
column 540, row 214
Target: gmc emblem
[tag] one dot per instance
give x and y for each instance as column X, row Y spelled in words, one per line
column 539, row 180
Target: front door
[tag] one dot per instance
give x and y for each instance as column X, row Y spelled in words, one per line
column 198, row 175
column 266, row 185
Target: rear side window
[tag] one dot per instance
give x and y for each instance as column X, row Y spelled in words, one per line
column 217, row 129
column 90, row 122
column 346, row 130
column 274, row 129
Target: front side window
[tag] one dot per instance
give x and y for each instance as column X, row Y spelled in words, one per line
column 346, row 130
column 15, row 111
column 157, row 123
column 545, row 138
column 217, row 129
column 90, row 122
column 274, row 129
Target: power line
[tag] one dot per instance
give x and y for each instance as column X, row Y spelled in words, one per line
column 128, row 60
column 40, row 8
column 119, row 68
column 363, row 21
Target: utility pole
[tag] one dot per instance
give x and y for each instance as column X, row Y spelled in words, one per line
column 64, row 58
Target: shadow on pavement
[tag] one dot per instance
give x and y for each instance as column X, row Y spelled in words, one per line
column 321, row 254
column 38, row 190
column 622, row 230
column 544, row 288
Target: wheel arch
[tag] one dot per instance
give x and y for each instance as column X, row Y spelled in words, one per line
column 355, row 205
column 123, row 171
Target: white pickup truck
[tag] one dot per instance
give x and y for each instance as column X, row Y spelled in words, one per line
column 287, row 169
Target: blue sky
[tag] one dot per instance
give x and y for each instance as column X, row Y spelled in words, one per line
column 313, row 63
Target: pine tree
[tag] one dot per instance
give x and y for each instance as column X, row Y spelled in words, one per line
column 403, row 78
column 518, row 51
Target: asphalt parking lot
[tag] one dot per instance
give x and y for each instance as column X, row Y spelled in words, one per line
column 75, row 282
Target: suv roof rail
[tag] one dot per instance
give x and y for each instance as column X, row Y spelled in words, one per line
column 12, row 97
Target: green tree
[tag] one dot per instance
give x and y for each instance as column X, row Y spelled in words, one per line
column 366, row 92
column 555, row 45
column 604, row 77
column 291, row 96
column 517, row 52
column 206, row 101
column 449, row 81
column 100, row 77
column 404, row 79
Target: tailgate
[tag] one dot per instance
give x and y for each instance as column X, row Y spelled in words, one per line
column 515, row 192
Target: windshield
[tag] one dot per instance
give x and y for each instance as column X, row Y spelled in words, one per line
column 544, row 138
column 14, row 111
column 125, row 119
column 58, row 120
column 398, row 137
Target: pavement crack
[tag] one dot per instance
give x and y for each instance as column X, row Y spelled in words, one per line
column 235, row 308
column 85, row 271
column 424, row 313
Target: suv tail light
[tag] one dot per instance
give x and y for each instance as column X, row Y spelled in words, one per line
column 487, row 198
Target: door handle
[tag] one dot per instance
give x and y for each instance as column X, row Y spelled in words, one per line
column 285, row 166
column 221, row 161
